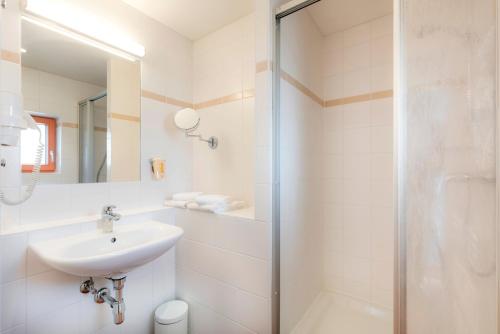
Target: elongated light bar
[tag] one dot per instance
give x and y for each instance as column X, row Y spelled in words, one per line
column 60, row 17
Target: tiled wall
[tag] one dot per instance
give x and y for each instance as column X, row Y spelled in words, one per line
column 451, row 201
column 123, row 105
column 223, row 271
column 35, row 299
column 164, row 72
column 241, row 243
column 57, row 96
column 223, row 93
column 223, row 261
column 358, row 162
column 301, row 118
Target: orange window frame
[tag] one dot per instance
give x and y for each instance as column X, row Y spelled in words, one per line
column 51, row 125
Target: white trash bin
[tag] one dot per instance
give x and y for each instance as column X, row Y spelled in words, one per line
column 172, row 318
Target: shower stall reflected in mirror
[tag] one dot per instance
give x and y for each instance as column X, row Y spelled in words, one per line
column 93, row 140
column 333, row 225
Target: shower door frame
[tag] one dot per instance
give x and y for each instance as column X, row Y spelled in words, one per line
column 88, row 103
column 399, row 158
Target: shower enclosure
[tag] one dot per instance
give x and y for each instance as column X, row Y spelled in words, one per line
column 334, row 232
column 367, row 238
column 93, row 139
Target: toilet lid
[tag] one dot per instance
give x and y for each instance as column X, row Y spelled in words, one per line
column 171, row 312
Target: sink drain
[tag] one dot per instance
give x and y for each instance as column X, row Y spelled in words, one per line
column 113, row 240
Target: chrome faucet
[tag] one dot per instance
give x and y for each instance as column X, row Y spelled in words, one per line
column 108, row 217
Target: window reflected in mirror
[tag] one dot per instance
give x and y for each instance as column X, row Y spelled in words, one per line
column 86, row 102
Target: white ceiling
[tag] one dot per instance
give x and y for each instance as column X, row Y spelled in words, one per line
column 194, row 18
column 54, row 53
column 337, row 15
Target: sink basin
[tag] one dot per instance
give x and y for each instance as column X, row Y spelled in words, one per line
column 110, row 255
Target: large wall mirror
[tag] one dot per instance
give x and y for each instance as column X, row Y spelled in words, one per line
column 86, row 102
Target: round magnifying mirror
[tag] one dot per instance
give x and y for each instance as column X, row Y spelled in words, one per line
column 187, row 119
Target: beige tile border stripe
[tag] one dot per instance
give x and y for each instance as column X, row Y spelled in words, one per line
column 153, row 96
column 263, row 66
column 10, row 56
column 359, row 98
column 75, row 126
column 201, row 105
column 179, row 103
column 336, row 102
column 69, row 125
column 225, row 99
column 125, row 117
column 165, row 99
column 302, row 88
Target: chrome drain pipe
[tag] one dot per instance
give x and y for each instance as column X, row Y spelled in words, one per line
column 103, row 295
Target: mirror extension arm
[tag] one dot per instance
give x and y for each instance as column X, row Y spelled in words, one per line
column 213, row 142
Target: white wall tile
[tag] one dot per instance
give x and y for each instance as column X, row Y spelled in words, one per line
column 89, row 199
column 334, row 87
column 357, row 82
column 381, row 78
column 334, row 239
column 357, row 57
column 381, row 50
column 50, row 291
column 334, row 166
column 253, row 312
column 357, row 35
column 10, row 80
column 381, row 26
column 13, row 259
column 333, row 61
column 382, row 193
column 13, row 304
column 243, row 236
column 333, row 191
column 263, row 165
column 247, row 273
column 164, row 278
column 333, row 215
column 61, row 321
column 356, row 140
column 16, row 330
column 334, row 41
column 381, row 139
column 358, row 218
column 357, row 167
column 334, row 142
column 224, row 64
column 126, row 195
column 333, row 119
column 357, row 115
column 263, row 202
column 381, row 112
column 381, row 167
column 49, row 202
column 206, row 321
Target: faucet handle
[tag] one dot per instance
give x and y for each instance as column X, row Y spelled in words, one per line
column 108, row 209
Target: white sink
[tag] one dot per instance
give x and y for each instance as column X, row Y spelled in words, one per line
column 110, row 255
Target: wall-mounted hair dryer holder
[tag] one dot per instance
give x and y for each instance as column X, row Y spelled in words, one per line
column 213, row 142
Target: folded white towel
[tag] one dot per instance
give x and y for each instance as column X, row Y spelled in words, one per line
column 213, row 199
column 177, row 204
column 188, row 196
column 217, row 207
